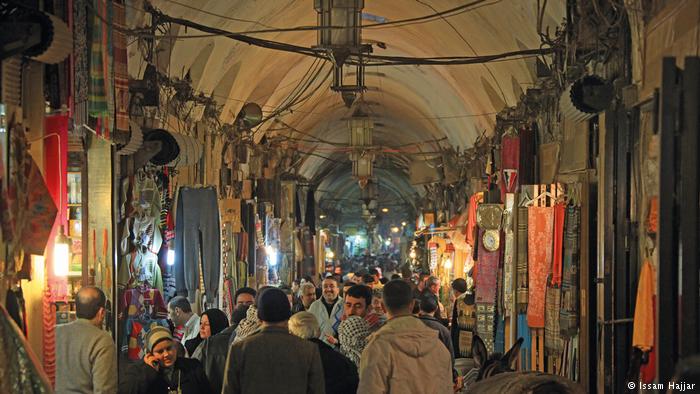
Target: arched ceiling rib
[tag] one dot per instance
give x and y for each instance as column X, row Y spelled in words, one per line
column 414, row 103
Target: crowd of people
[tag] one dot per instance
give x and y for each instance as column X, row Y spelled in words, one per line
column 366, row 334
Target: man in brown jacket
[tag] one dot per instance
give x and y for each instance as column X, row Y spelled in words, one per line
column 272, row 360
column 404, row 356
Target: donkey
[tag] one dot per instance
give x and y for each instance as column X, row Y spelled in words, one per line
column 495, row 374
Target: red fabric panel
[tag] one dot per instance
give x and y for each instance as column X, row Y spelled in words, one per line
column 539, row 249
column 559, row 214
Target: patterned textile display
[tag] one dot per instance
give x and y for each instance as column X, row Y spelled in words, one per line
column 521, row 282
column 553, row 343
column 135, row 331
column 101, row 100
column 568, row 316
column 559, row 215
column 509, row 255
column 142, row 301
column 21, row 372
column 81, row 72
column 486, row 294
column 540, row 237
column 466, row 321
column 121, row 72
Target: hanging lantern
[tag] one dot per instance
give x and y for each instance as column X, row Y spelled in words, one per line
column 361, row 128
column 341, row 38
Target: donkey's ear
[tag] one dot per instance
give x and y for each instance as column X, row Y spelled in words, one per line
column 513, row 354
column 479, row 352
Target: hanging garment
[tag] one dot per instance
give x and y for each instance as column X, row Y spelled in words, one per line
column 643, row 332
column 526, row 347
column 474, row 201
column 553, row 343
column 121, row 73
column 509, row 254
column 135, row 331
column 101, row 100
column 197, row 234
column 21, row 372
column 521, row 282
column 486, row 291
column 568, row 316
column 540, row 239
column 528, row 156
column 559, row 215
column 463, row 325
column 142, row 302
column 510, row 162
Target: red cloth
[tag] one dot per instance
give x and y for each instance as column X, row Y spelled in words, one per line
column 487, row 281
column 559, row 214
column 540, row 227
column 510, row 162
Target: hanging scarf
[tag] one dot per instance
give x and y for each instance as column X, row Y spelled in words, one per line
column 553, row 344
column 568, row 316
column 508, row 254
column 521, row 262
column 559, row 214
column 101, row 100
column 540, row 239
column 486, row 291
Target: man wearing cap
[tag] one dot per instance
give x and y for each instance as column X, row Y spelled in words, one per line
column 162, row 371
column 273, row 360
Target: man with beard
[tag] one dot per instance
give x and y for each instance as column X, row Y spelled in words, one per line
column 328, row 310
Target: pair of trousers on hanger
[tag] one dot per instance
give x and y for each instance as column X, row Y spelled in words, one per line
column 197, row 236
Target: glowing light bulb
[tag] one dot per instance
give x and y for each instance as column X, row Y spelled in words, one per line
column 448, row 263
column 271, row 255
column 330, row 255
column 395, row 230
column 385, row 210
column 61, row 254
column 387, row 242
column 412, row 254
column 171, row 257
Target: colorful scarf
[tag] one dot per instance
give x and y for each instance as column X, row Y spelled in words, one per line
column 121, row 72
column 486, row 294
column 508, row 255
column 101, row 100
column 540, row 239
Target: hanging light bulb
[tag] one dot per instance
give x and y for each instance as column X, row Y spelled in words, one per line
column 330, row 255
column 61, row 253
column 271, row 255
column 448, row 263
column 395, row 230
column 412, row 254
column 171, row 255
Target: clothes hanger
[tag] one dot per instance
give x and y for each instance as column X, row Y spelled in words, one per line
column 543, row 194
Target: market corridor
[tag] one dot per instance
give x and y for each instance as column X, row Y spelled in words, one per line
column 349, row 196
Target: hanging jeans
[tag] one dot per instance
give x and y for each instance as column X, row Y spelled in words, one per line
column 197, row 234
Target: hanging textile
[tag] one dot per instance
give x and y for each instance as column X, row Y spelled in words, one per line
column 521, row 281
column 486, row 291
column 527, row 169
column 101, row 100
column 121, row 72
column 474, row 201
column 540, row 238
column 463, row 325
column 21, row 372
column 553, row 344
column 559, row 215
column 510, row 162
column 526, row 347
column 568, row 316
column 508, row 254
column 643, row 332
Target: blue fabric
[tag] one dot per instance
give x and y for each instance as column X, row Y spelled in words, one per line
column 526, row 347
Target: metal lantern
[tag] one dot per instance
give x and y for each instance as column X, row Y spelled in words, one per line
column 361, row 141
column 341, row 36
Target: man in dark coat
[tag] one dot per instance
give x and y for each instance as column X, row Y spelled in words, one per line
column 215, row 348
column 273, row 360
column 162, row 372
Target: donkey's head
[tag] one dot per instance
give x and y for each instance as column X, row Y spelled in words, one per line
column 496, row 363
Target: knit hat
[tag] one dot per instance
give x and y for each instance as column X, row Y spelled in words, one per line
column 460, row 285
column 273, row 306
column 156, row 335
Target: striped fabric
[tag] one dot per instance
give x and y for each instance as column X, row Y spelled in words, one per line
column 121, row 72
column 100, row 89
column 521, row 262
column 568, row 316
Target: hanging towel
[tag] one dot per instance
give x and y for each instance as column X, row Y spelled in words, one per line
column 540, row 239
column 643, row 333
column 559, row 215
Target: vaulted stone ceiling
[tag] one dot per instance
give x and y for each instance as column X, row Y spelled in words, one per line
column 439, row 105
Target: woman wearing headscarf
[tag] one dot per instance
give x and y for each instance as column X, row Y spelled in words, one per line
column 212, row 322
column 352, row 334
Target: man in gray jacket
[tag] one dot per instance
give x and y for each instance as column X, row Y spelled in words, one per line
column 86, row 360
column 273, row 360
